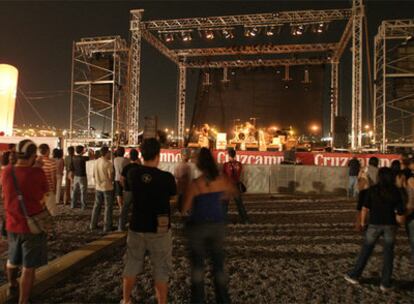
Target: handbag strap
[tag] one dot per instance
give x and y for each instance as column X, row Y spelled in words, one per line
column 19, row 193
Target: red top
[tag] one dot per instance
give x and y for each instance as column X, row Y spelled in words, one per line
column 33, row 184
column 233, row 170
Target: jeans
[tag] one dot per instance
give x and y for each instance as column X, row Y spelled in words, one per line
column 100, row 198
column 409, row 226
column 371, row 237
column 123, row 217
column 67, row 196
column 353, row 186
column 59, row 179
column 207, row 239
column 240, row 208
column 80, row 184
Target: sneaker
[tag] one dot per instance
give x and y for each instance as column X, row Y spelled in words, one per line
column 351, row 280
column 385, row 289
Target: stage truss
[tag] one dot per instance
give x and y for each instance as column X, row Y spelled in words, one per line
column 394, row 109
column 188, row 58
column 99, row 88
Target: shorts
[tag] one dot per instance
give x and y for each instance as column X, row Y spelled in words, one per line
column 118, row 189
column 29, row 250
column 159, row 247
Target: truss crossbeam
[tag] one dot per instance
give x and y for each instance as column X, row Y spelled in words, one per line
column 155, row 42
column 253, row 63
column 304, row 16
column 258, row 50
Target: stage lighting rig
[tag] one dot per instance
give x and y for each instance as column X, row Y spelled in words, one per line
column 251, row 31
column 297, row 29
column 273, row 30
column 186, row 36
column 209, row 34
column 227, row 33
column 167, row 36
column 319, row 28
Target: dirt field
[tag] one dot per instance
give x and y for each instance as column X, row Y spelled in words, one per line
column 296, row 250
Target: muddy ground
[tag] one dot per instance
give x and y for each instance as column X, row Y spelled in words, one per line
column 296, row 250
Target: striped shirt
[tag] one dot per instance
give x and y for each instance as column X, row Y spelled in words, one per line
column 49, row 168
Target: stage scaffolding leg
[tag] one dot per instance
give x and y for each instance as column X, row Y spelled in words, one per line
column 135, row 66
column 71, row 91
column 181, row 104
column 357, row 47
column 334, row 97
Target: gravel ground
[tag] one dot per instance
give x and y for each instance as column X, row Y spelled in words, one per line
column 295, row 250
column 71, row 232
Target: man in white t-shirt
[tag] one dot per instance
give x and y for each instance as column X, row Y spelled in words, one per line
column 103, row 174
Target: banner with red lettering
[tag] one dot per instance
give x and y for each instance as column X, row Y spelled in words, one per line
column 275, row 158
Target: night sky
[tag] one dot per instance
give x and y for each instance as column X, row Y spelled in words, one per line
column 37, row 36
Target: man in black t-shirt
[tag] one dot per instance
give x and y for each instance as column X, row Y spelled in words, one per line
column 384, row 205
column 80, row 180
column 127, row 195
column 149, row 229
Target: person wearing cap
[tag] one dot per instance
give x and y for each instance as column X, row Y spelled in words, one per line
column 183, row 175
column 25, row 249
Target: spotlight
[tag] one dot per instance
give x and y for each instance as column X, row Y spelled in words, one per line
column 169, row 37
column 251, row 32
column 270, row 31
column 319, row 28
column 209, row 34
column 227, row 33
column 186, row 36
column 254, row 31
column 298, row 30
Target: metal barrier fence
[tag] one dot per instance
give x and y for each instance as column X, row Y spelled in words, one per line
column 287, row 179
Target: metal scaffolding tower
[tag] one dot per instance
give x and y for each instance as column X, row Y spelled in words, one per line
column 394, row 83
column 99, row 88
column 357, row 59
column 205, row 58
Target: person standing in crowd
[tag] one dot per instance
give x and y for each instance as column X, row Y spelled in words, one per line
column 409, row 224
column 12, row 151
column 204, row 201
column 385, row 207
column 68, row 179
column 60, row 168
column 354, row 167
column 25, row 249
column 372, row 171
column 149, row 230
column 103, row 174
column 119, row 164
column 183, row 175
column 80, row 180
column 123, row 217
column 50, row 170
column 233, row 170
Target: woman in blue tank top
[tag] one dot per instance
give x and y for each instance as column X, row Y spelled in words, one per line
column 203, row 204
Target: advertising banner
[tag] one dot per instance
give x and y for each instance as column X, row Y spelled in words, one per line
column 275, row 158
